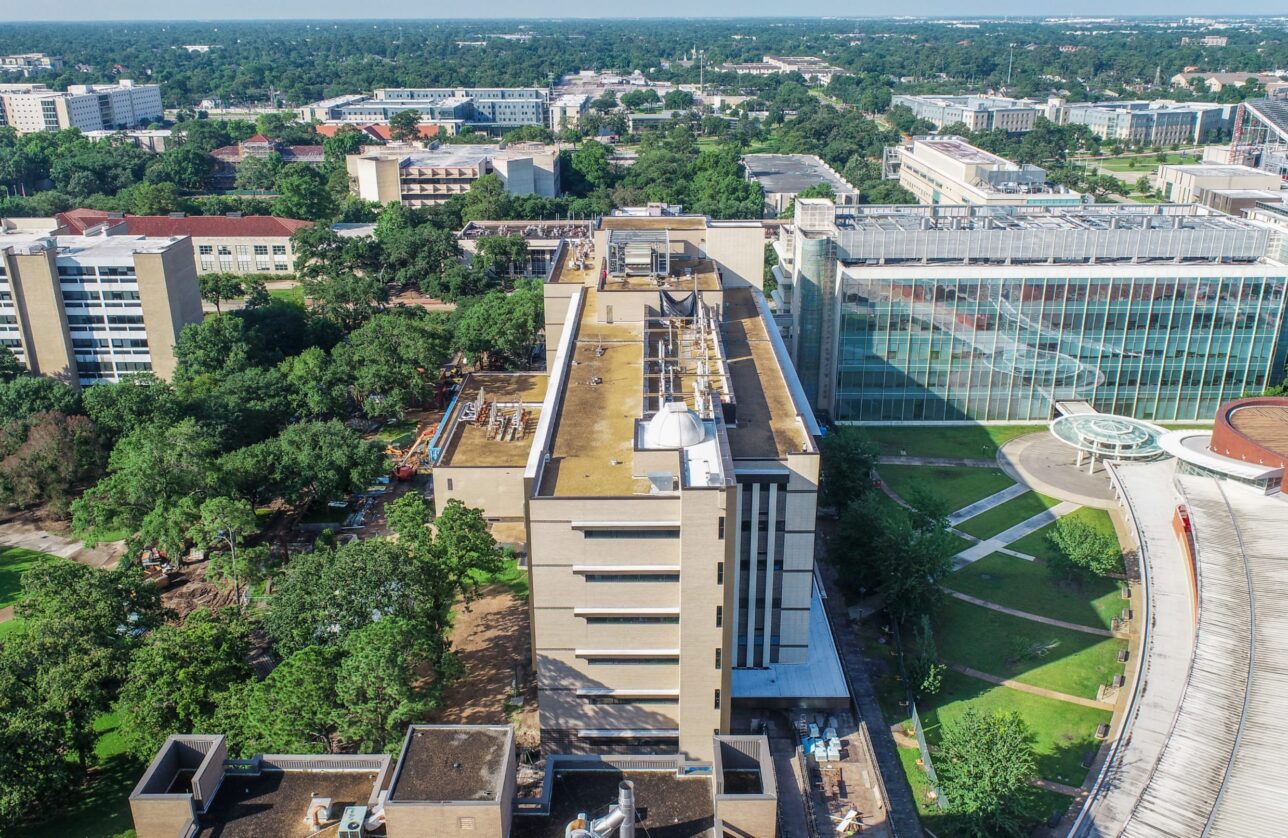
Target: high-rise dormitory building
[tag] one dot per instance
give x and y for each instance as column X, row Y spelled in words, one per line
column 31, row 108
column 95, row 308
column 925, row 313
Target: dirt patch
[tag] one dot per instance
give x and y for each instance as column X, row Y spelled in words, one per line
column 492, row 638
column 188, row 590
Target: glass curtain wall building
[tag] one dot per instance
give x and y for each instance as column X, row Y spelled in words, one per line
column 993, row 314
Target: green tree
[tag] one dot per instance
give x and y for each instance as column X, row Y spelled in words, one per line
column 226, row 522
column 292, row 711
column 501, row 327
column 321, row 460
column 259, row 173
column 25, row 395
column 848, row 457
column 925, row 672
column 1082, row 549
column 986, row 766
column 45, row 457
column 348, row 299
column 34, row 745
column 1143, row 186
column 486, row 199
column 136, row 400
column 678, row 100
column 378, row 688
column 217, row 287
column 605, row 102
column 176, row 677
column 405, row 126
column 392, row 360
column 314, row 385
column 303, row 193
column 502, row 254
column 590, row 163
column 10, row 366
column 459, row 544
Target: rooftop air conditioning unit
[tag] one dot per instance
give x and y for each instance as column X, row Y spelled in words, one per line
column 352, row 822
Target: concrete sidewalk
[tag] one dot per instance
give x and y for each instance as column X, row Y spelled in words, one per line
column 992, row 545
column 1029, row 688
column 1037, row 618
column 987, row 503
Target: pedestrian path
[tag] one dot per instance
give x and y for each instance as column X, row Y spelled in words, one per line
column 983, row 548
column 1037, row 618
column 1029, row 688
column 979, row 506
column 969, row 462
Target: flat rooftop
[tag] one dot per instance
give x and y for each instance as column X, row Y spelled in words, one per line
column 653, row 222
column 792, row 173
column 81, row 246
column 668, row 806
column 566, row 271
column 603, row 398
column 275, row 802
column 451, row 764
column 685, row 275
column 1217, row 170
column 1093, row 217
column 964, row 152
column 768, row 423
column 530, row 230
column 468, row 442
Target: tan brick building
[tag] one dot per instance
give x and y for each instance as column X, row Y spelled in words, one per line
column 88, row 309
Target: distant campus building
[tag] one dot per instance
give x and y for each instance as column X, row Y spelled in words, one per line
column 420, row 177
column 453, row 108
column 949, row 170
column 30, row 108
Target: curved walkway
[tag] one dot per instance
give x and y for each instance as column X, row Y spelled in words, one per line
column 1047, row 465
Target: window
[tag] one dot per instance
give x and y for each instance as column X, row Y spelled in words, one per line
column 628, row 619
column 719, row 573
column 717, row 701
column 224, row 251
column 280, row 266
column 620, row 699
column 261, row 250
column 632, row 577
column 205, row 249
column 449, row 484
column 720, row 528
column 718, row 658
column 243, row 250
column 279, row 250
column 207, row 265
column 631, row 533
column 719, row 616
column 628, row 661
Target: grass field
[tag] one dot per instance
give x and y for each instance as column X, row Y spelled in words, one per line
column 970, row 441
column 1062, row 732
column 294, row 294
column 1037, row 544
column 1145, row 163
column 958, row 485
column 1003, row 517
column 1030, row 586
column 102, row 808
column 1064, row 660
column 13, row 562
column 510, row 576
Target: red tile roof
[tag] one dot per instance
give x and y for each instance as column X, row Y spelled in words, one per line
column 77, row 221
column 379, row 130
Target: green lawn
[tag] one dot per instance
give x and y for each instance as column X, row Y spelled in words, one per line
column 510, row 576
column 1064, row 660
column 1030, row 586
column 1145, row 163
column 294, row 294
column 1036, row 543
column 402, row 433
column 13, row 562
column 959, row 486
column 1062, row 732
column 1003, row 517
column 970, row 441
column 102, row 808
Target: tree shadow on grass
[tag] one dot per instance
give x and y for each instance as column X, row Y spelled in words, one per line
column 100, row 808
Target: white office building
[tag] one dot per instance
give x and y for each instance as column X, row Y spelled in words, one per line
column 31, row 108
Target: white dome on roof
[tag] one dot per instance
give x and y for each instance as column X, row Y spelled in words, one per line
column 674, row 426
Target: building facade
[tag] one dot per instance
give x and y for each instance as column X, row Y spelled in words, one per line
column 90, row 309
column 31, row 108
column 967, row 313
column 784, row 176
column 30, row 64
column 978, row 113
column 671, row 489
column 1192, row 183
column 236, row 244
column 423, row 177
column 1151, row 123
column 949, row 170
column 474, row 107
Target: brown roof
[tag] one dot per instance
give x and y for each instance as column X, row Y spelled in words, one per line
column 378, row 130
column 77, row 221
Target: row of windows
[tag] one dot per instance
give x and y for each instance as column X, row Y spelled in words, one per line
column 642, row 619
column 632, row 577
column 244, row 265
column 632, row 534
column 241, row 249
column 613, row 699
column 630, row 661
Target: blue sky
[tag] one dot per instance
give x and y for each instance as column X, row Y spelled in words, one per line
column 71, row 10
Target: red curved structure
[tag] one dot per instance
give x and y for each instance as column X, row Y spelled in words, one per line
column 1254, row 430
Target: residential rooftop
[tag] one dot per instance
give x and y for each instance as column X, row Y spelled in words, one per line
column 452, row 763
column 276, row 802
column 530, row 230
column 80, row 221
column 106, row 247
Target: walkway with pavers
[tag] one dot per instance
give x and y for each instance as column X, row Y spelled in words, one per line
column 991, row 545
column 1028, row 615
column 985, row 504
column 1029, row 688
